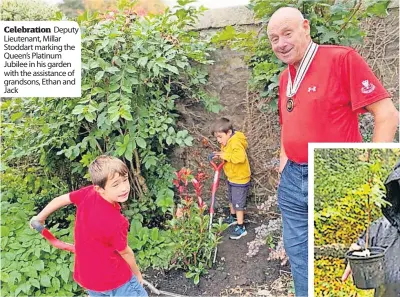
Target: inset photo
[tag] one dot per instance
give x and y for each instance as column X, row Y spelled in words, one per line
column 357, row 222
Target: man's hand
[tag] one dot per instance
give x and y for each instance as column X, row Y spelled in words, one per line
column 282, row 163
column 128, row 255
column 353, row 247
column 281, row 167
column 282, row 158
column 36, row 218
column 54, row 204
column 139, row 278
column 346, row 273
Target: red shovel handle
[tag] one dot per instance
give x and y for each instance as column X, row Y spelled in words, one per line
column 51, row 238
column 217, row 167
column 217, row 170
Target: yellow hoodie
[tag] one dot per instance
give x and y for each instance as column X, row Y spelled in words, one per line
column 236, row 167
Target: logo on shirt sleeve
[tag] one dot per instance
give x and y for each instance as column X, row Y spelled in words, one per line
column 367, row 87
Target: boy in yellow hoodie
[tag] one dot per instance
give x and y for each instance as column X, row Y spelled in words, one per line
column 237, row 170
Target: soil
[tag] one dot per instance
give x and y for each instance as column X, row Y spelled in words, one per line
column 234, row 273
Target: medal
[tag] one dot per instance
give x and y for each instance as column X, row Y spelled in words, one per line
column 305, row 63
column 289, row 104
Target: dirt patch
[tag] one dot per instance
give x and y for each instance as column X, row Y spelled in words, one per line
column 234, row 273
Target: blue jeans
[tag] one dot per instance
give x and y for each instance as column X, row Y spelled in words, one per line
column 293, row 203
column 132, row 288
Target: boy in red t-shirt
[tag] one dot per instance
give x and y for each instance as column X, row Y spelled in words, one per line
column 104, row 263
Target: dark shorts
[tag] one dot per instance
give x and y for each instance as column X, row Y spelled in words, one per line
column 237, row 195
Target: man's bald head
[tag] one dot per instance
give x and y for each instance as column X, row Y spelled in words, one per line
column 289, row 34
column 286, row 13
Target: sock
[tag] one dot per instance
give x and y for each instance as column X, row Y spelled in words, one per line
column 241, row 226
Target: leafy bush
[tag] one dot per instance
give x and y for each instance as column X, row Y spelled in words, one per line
column 26, row 10
column 153, row 247
column 187, row 243
column 134, row 72
column 327, row 280
column 195, row 240
column 347, row 218
column 29, row 183
column 195, row 245
column 344, row 179
column 30, row 266
column 345, row 182
column 339, row 171
column 24, row 188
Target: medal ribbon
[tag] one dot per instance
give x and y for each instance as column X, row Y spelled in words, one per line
column 305, row 63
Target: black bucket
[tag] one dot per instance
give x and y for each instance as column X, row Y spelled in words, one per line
column 367, row 272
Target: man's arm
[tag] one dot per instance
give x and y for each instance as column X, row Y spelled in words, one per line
column 386, row 118
column 346, row 273
column 128, row 255
column 54, row 204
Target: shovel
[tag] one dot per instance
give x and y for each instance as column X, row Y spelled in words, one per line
column 217, row 173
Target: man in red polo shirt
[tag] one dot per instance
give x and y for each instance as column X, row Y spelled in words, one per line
column 321, row 94
column 104, row 263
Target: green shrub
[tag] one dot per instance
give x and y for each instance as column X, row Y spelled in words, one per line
column 153, row 247
column 26, row 10
column 327, row 280
column 345, row 180
column 134, row 72
column 30, row 266
column 195, row 245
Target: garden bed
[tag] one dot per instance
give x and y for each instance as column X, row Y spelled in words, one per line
column 234, row 273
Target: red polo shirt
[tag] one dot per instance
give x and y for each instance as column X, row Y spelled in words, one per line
column 336, row 88
column 100, row 231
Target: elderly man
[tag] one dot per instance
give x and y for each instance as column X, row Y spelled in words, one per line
column 321, row 94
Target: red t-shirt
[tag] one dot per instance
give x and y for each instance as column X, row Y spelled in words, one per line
column 100, row 231
column 336, row 88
